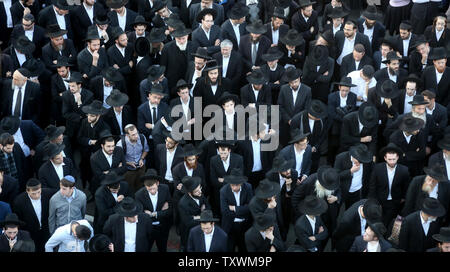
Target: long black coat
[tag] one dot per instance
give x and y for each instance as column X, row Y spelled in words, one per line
column 286, row 101
column 298, row 23
column 187, row 209
column 255, row 242
column 130, row 17
column 242, row 211
column 383, row 110
column 81, row 22
column 84, row 60
column 228, row 33
column 248, row 96
column 47, row 17
column 115, row 229
column 348, row 64
column 412, row 237
column 359, row 245
column 335, row 118
column 99, row 164
column 441, row 89
column 215, row 33
column 164, row 216
column 348, row 228
column 204, row 90
column 196, row 242
column 350, row 134
column 49, row 54
column 31, row 106
column 115, row 57
column 97, row 88
column 48, row 177
column 430, row 35
column 378, row 33
column 379, row 183
column 22, row 236
column 234, row 69
column 245, row 49
column 71, row 112
column 266, row 157
column 161, row 158
column 179, row 172
column 127, row 118
column 303, row 231
column 359, row 38
column 39, row 38
column 382, row 75
column 412, row 151
column 438, row 158
column 281, row 31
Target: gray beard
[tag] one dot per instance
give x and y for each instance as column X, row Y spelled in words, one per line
column 321, row 192
column 181, row 47
column 420, row 116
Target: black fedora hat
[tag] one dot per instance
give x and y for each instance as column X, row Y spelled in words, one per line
column 411, row 124
column 225, row 143
column 266, row 189
column 116, row 32
column 92, row 34
column 436, row 171
column 337, row 12
column 418, row 99
column 387, row 89
column 181, row 84
column 116, row 98
column 112, row 75
column 361, row 153
column 201, row 53
column 204, row 12
column 235, row 177
column 62, row 4
column 151, row 174
column 297, row 135
column 278, row 12
column 327, row 35
column 167, row 133
column 76, row 77
column 272, row 54
column 371, row 13
column 226, row 96
column 443, row 236
column 368, row 115
column 378, row 228
column 413, row 78
column 312, row 205
column 96, row 107
column 305, row 3
column 139, row 20
column 211, row 65
column 391, row 147
column 319, row 55
column 55, row 31
column 433, row 207
column 106, row 133
column 23, row 44
column 102, row 19
column 257, row 77
column 111, row 178
column 181, row 31
column 128, row 207
column 157, row 35
column 279, row 164
column 206, row 216
column 155, row 71
column 99, row 243
column 345, row 81
column 291, row 74
column 387, row 40
column 318, row 109
column 34, row 66
column 390, row 56
column 256, row 27
column 292, row 38
column 328, row 177
column 444, row 143
column 156, row 89
column 418, row 41
column 52, row 150
column 10, row 124
column 62, row 61
column 24, row 72
column 438, row 53
column 264, row 220
column 142, row 46
column 54, row 132
column 158, row 5
column 190, row 150
column 372, row 210
column 238, row 11
column 173, row 20
column 116, row 4
column 190, row 183
column 12, row 219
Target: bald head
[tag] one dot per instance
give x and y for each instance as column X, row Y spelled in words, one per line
column 19, row 79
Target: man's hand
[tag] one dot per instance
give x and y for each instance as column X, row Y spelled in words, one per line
column 313, row 149
column 269, row 234
column 111, row 247
column 85, row 76
column 277, row 82
column 190, row 122
column 93, row 142
column 311, row 29
column 427, row 150
column 26, row 11
column 106, row 172
column 116, row 66
column 366, row 139
column 388, row 102
column 130, row 63
column 196, row 217
column 289, row 122
column 321, row 229
column 232, row 208
column 167, row 32
column 120, row 164
column 55, row 61
column 273, row 249
column 359, row 98
column 273, row 45
column 179, row 186
column 220, row 180
column 326, row 73
column 217, row 42
column 141, row 163
column 165, row 206
column 32, row 152
column 312, row 238
column 355, row 168
column 272, row 203
column 1, row 190
column 131, row 164
column 8, row 74
column 120, row 198
column 149, row 125
column 331, row 199
column 203, row 207
column 252, row 105
column 95, row 57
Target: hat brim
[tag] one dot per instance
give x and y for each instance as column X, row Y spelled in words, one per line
column 152, row 177
column 29, row 49
column 288, row 78
column 235, row 179
column 296, row 42
column 299, row 137
column 56, row 34
column 323, row 207
column 89, row 110
column 54, row 152
column 272, row 57
column 97, row 238
column 436, row 212
column 302, row 5
column 112, row 78
column 437, row 176
column 273, row 192
column 441, row 238
column 122, row 100
column 344, row 84
column 364, row 122
column 379, row 90
column 228, row 97
column 284, row 167
column 59, row 130
column 181, row 32
column 362, row 158
column 130, row 213
column 442, row 144
column 256, row 30
column 325, row 184
column 390, row 149
column 418, row 124
column 15, row 126
column 155, row 76
column 116, row 5
column 109, row 182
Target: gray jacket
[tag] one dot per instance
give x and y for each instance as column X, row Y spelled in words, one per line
column 62, row 212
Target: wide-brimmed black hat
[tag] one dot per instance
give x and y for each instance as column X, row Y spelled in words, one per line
column 10, row 124
column 182, row 31
column 201, row 53
column 211, row 65
column 371, row 13
column 391, row 147
column 96, row 107
column 142, row 46
column 151, row 174
column 190, row 150
column 173, row 20
column 155, row 71
column 111, row 178
column 102, row 19
column 257, row 77
column 106, row 133
column 433, row 207
column 238, row 11
column 411, row 124
column 319, row 55
column 181, row 84
column 99, row 243
column 328, row 177
column 226, row 96
column 206, row 216
column 413, row 78
column 338, row 12
column 279, row 164
column 116, row 4
column 345, row 81
column 92, row 34
column 318, row 109
column 266, row 189
column 157, row 35
column 443, row 236
column 298, row 135
column 328, row 36
column 264, row 220
column 12, row 219
column 225, row 143
column 116, row 98
column 52, row 150
column 158, row 5
column 438, row 53
column 62, row 61
column 361, row 153
column 436, row 171
column 257, row 27
column 390, row 56
column 55, row 31
column 128, row 207
column 368, row 115
column 418, row 99
column 378, row 228
column 235, row 177
column 444, row 143
column 372, row 210
column 312, row 205
column 116, row 32
column 62, row 4
column 418, row 41
column 76, row 77
column 389, row 41
column 23, row 44
column 272, row 54
column 291, row 74
column 305, row 3
column 156, row 89
column 292, row 38
column 112, row 75
column 387, row 89
column 139, row 20
column 190, row 183
column 279, row 13
column 167, row 133
column 204, row 12
column 53, row 131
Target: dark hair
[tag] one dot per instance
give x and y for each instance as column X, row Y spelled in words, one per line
column 129, row 128
column 82, row 232
column 65, row 183
column 29, row 17
column 435, row 22
column 359, row 48
column 350, row 22
column 114, row 185
column 33, row 184
column 6, row 139
column 10, row 225
column 429, row 94
column 107, row 139
column 150, row 182
column 368, row 71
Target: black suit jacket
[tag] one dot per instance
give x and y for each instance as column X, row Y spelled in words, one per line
column 248, row 96
column 130, row 17
column 47, row 17
column 412, row 151
column 438, row 158
column 71, row 112
column 348, row 228
column 115, row 229
column 204, row 90
column 106, row 204
column 383, row 110
column 430, row 35
column 163, row 216
column 256, row 243
column 161, row 158
column 245, row 49
column 399, row 44
column 266, row 157
column 286, row 101
column 242, row 211
column 349, row 65
column 194, row 9
column 196, row 242
column 318, row 135
column 336, row 118
column 100, row 164
column 234, row 69
column 215, row 33
column 298, row 23
column 85, row 66
column 115, row 57
column 22, row 236
column 350, row 134
column 343, row 164
column 303, row 231
column 110, row 119
column 379, row 183
column 187, row 209
column 145, row 116
column 378, row 33
column 412, row 237
column 228, row 33
column 97, row 88
column 49, row 54
column 281, row 31
column 218, row 171
column 359, row 38
column 176, row 61
column 81, row 22
column 48, row 177
column 288, row 153
column 359, row 245
column 382, row 75
column 31, row 106
column 430, row 82
column 39, row 38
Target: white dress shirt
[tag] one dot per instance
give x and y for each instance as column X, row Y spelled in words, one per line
column 347, row 48
column 430, row 112
column 275, row 35
column 282, row 181
column 392, row 77
column 37, row 207
column 226, row 163
column 130, row 236
column 169, row 160
column 122, row 20
column 257, row 164
column 447, row 165
column 237, row 197
column 18, row 138
column 361, row 126
column 343, row 101
column 89, row 11
column 29, row 34
column 186, row 110
column 7, row 4
column 360, row 89
column 208, row 240
column 119, row 120
column 356, row 179
column 406, row 46
column 154, row 200
column 59, row 169
column 434, row 192
column 214, row 89
column 298, row 159
column 20, row 57
column 196, row 200
column 407, row 106
column 230, row 120
column 372, row 246
column 108, row 158
column 16, row 92
column 121, row 50
column 206, row 32
column 311, row 124
column 295, row 94
column 188, row 171
column 368, row 32
column 363, row 221
column 237, row 33
column 390, row 174
column 439, row 34
column 438, row 76
column 336, row 29
column 115, row 196
column 225, row 62
column 407, row 138
column 61, row 21
column 106, row 92
column 312, row 222
column 425, row 224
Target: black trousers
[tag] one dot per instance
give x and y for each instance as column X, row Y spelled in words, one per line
column 160, row 234
column 236, row 236
column 391, row 208
column 255, row 177
column 352, row 198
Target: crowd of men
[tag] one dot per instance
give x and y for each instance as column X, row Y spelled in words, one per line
column 356, row 95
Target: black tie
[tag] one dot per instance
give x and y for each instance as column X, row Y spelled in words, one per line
column 154, row 115
column 18, row 102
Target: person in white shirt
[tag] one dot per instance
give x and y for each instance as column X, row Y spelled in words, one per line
column 72, row 237
column 214, row 238
column 364, row 80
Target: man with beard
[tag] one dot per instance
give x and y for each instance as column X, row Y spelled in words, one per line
column 140, row 30
column 102, row 28
column 57, row 47
column 253, row 46
column 305, row 21
column 442, row 157
column 231, row 63
column 120, row 55
column 437, row 77
column 276, row 28
column 370, row 26
column 157, row 38
column 211, row 86
column 195, row 68
column 119, row 114
column 412, row 87
column 208, row 30
column 355, row 61
column 162, row 13
column 293, row 47
column 299, row 152
column 405, row 39
column 346, row 40
column 93, row 59
column 13, row 239
column 120, row 15
column 392, row 70
column 82, row 17
column 27, row 26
